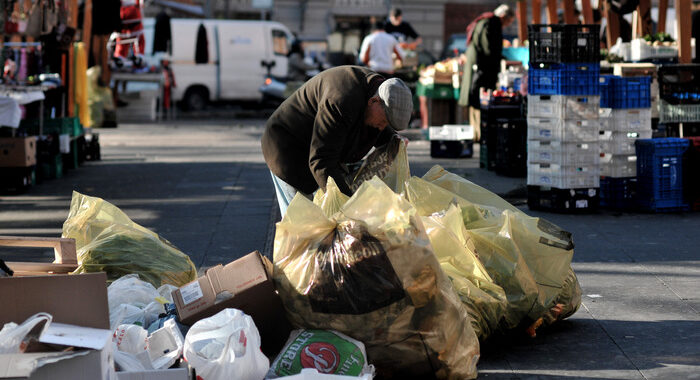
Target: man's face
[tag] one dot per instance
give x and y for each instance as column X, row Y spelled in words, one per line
column 375, row 116
column 396, row 20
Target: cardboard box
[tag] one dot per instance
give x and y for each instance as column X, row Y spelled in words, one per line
column 249, row 282
column 78, row 304
column 165, row 374
column 74, row 299
column 17, row 151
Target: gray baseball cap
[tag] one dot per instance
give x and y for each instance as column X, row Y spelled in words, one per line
column 398, row 102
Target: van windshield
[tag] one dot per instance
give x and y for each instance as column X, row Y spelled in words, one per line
column 280, row 42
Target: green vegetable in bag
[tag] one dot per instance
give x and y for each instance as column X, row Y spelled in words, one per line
column 108, row 241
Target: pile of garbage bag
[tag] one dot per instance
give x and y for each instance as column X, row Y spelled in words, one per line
column 404, row 279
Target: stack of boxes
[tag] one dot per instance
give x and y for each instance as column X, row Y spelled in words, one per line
column 625, row 116
column 563, row 127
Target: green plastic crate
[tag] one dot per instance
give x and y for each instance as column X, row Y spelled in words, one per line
column 440, row 91
column 51, row 169
column 61, row 126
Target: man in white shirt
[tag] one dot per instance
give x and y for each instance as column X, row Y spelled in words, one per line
column 377, row 49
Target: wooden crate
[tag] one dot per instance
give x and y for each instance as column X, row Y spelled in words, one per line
column 64, row 250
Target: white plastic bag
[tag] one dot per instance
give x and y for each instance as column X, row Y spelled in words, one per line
column 135, row 350
column 226, row 346
column 12, row 335
column 132, row 301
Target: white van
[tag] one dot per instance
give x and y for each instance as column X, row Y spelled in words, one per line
column 239, row 51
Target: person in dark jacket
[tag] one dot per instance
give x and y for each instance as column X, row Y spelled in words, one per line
column 334, row 118
column 484, row 48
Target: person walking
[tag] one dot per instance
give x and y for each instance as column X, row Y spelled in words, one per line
column 483, row 58
column 377, row 50
column 335, row 118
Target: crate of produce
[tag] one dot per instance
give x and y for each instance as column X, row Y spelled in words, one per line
column 680, row 84
column 678, row 113
column 548, row 129
column 511, row 138
column 440, row 91
column 563, row 106
column 562, row 153
column 564, row 43
column 618, row 193
column 628, row 92
column 564, row 79
column 563, row 177
column 60, row 126
column 562, row 200
column 618, row 165
column 660, row 174
column 613, row 142
column 499, row 98
column 691, row 176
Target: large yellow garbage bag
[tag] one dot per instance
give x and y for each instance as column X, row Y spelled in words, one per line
column 108, row 241
column 528, row 257
column 370, row 273
column 454, row 248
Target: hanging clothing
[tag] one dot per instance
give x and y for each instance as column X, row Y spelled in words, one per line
column 201, row 54
column 162, row 34
column 132, row 28
column 105, row 16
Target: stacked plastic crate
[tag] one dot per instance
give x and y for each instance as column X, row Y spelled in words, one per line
column 625, row 116
column 563, row 127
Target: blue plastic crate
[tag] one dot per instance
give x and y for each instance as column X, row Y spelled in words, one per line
column 606, row 95
column 660, row 174
column 627, row 92
column 564, row 79
column 618, row 193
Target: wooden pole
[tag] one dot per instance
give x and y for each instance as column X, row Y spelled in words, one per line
column 587, row 12
column 644, row 11
column 521, row 13
column 536, row 11
column 661, row 24
column 683, row 25
column 87, row 26
column 636, row 27
column 613, row 28
column 569, row 15
column 552, row 12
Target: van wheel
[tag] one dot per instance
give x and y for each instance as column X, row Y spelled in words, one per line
column 196, row 99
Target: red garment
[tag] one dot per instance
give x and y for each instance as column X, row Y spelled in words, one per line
column 470, row 27
column 131, row 27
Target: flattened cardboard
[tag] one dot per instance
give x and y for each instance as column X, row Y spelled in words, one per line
column 74, row 365
column 17, row 151
column 249, row 280
column 79, row 300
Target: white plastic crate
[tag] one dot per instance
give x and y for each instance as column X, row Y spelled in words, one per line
column 624, row 120
column 678, row 113
column 563, row 177
column 451, row 132
column 618, row 165
column 613, row 142
column 563, row 106
column 562, row 153
column 549, row 129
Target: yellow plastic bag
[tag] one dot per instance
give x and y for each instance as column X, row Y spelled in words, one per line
column 370, row 273
column 485, row 301
column 388, row 162
column 108, row 241
column 331, row 200
column 528, row 257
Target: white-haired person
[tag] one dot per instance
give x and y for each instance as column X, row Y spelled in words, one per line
column 484, row 49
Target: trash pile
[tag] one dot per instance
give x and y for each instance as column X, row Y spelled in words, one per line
column 402, row 280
